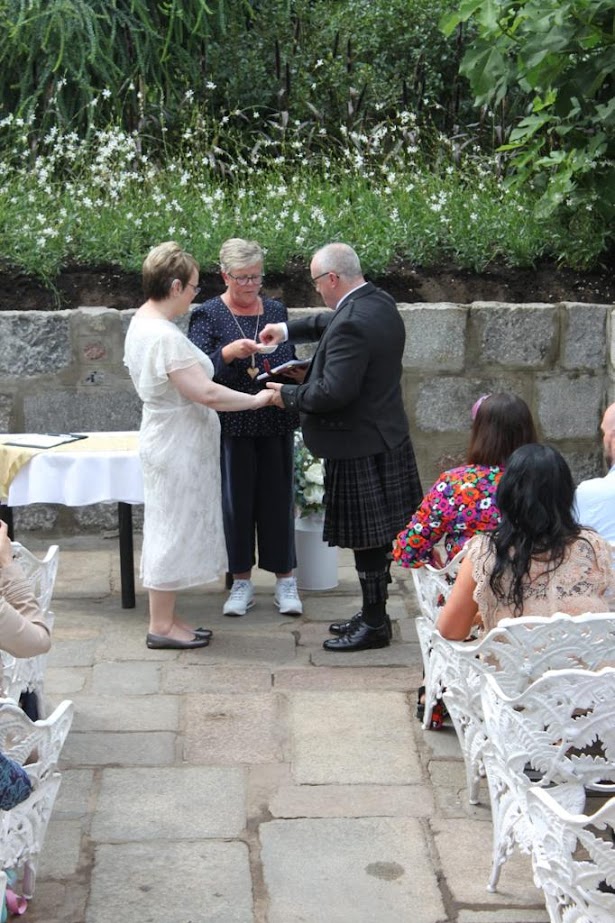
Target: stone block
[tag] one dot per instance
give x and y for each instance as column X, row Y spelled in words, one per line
column 510, row 915
column 156, row 882
column 34, row 343
column 227, row 729
column 586, row 465
column 7, row 402
column 444, row 403
column 129, row 804
column 515, row 336
column 570, row 406
column 366, row 869
column 378, row 744
column 39, row 517
column 82, row 411
column 584, row 343
column 64, row 682
column 435, row 337
column 72, row 654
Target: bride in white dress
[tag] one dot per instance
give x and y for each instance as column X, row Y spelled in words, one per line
column 179, row 446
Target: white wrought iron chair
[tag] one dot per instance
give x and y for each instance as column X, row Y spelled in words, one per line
column 562, row 728
column 37, row 746
column 26, row 674
column 573, row 864
column 517, row 651
column 432, row 586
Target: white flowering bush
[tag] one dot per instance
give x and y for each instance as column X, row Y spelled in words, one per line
column 309, row 480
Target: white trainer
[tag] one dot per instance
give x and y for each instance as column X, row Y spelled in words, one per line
column 286, row 596
column 241, row 598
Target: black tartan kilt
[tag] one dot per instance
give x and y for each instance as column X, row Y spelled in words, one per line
column 369, row 500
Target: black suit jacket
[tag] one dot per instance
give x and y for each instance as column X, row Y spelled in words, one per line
column 351, row 401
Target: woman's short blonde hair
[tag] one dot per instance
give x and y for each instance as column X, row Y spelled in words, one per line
column 162, row 265
column 235, row 253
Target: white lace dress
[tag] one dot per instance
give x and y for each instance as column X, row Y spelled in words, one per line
column 584, row 582
column 179, row 446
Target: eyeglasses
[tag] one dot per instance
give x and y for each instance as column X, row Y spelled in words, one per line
column 197, row 288
column 328, row 273
column 245, row 280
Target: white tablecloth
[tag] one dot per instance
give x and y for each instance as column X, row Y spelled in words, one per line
column 79, row 478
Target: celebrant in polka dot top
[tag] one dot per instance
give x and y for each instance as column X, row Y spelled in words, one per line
column 256, row 448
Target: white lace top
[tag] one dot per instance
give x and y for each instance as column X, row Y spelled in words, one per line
column 584, row 582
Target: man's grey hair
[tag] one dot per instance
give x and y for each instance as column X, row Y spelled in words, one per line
column 338, row 258
column 236, row 253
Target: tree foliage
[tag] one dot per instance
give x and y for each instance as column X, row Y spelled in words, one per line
column 558, row 58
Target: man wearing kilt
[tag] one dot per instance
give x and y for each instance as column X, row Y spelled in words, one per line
column 352, row 415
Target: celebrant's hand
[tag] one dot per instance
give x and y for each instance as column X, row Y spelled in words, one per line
column 273, row 333
column 239, row 349
column 275, row 389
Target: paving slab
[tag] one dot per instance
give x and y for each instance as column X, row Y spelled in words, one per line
column 188, row 803
column 202, row 882
column 456, row 840
column 61, row 856
column 228, row 729
column 352, row 801
column 377, row 744
column 101, row 748
column 126, row 678
column 349, row 871
column 181, row 678
column 330, row 678
column 126, row 713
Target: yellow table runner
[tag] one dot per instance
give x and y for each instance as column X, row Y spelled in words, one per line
column 13, row 457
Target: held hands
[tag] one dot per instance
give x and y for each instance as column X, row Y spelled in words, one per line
column 274, row 389
column 272, row 333
column 6, row 549
column 264, row 398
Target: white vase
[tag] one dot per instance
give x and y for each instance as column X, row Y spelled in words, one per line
column 316, row 561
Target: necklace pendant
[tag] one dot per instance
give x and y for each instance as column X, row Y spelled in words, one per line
column 252, row 371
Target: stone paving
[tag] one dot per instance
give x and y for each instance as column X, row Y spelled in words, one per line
column 260, row 780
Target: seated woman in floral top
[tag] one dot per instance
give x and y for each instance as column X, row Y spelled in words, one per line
column 462, row 501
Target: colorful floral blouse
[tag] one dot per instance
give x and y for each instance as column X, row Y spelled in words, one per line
column 460, row 503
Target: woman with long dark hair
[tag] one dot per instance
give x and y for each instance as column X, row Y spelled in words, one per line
column 539, row 561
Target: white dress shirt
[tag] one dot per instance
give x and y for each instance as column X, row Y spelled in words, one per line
column 595, row 504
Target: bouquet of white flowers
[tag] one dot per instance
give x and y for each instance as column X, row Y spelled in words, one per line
column 309, row 480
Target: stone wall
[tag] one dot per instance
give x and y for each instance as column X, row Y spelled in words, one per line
column 63, row 372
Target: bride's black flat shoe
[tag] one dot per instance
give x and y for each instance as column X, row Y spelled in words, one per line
column 162, row 642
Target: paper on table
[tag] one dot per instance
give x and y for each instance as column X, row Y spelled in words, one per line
column 41, row 440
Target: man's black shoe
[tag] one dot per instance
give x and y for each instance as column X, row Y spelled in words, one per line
column 361, row 638
column 342, row 628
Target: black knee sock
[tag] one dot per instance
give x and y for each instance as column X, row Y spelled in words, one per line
column 373, row 569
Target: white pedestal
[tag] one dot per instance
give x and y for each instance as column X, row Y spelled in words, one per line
column 316, row 561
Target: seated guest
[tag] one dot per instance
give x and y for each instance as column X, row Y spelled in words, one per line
column 23, row 631
column 462, row 501
column 595, row 498
column 539, row 561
